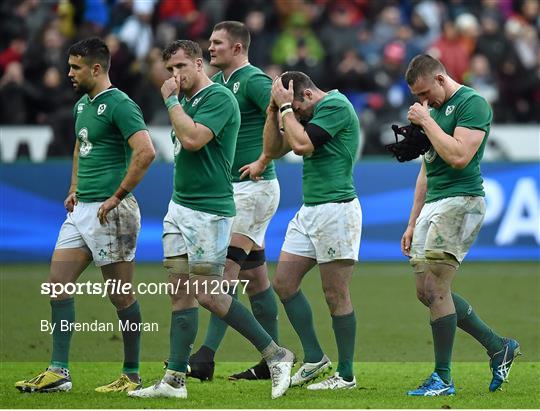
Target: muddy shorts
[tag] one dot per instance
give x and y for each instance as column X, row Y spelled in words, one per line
column 113, row 242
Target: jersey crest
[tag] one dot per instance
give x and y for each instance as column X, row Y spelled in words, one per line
column 449, row 110
column 236, row 86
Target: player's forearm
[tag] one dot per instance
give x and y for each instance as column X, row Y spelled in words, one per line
column 296, row 135
column 274, row 146
column 419, row 196
column 74, row 168
column 450, row 149
column 186, row 130
column 140, row 162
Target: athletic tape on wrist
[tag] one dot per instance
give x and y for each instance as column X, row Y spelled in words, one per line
column 171, row 101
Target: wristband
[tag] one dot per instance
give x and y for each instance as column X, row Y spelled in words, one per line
column 171, row 101
column 284, row 107
column 121, row 193
column 287, row 110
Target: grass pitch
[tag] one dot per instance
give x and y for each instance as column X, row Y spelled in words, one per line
column 394, row 349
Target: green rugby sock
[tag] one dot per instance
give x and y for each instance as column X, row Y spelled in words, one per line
column 184, row 324
column 469, row 322
column 299, row 312
column 62, row 310
column 345, row 332
column 265, row 310
column 444, row 331
column 239, row 318
column 131, row 339
column 216, row 330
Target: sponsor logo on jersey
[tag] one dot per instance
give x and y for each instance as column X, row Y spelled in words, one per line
column 101, row 108
column 235, row 87
column 80, row 107
column 449, row 110
column 196, row 101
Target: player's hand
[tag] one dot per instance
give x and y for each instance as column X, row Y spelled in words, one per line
column 109, row 204
column 418, row 113
column 406, row 240
column 70, row 202
column 272, row 106
column 280, row 94
column 253, row 170
column 169, row 88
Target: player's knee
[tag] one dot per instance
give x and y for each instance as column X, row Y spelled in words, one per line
column 418, row 265
column 335, row 296
column 254, row 259
column 207, row 300
column 121, row 301
column 282, row 287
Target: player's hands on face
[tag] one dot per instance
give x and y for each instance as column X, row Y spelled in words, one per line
column 169, row 88
column 406, row 240
column 418, row 113
column 280, row 94
column 108, row 205
column 253, row 170
column 70, row 202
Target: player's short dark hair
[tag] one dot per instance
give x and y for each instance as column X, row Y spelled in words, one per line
column 191, row 49
column 237, row 31
column 422, row 65
column 301, row 82
column 92, row 50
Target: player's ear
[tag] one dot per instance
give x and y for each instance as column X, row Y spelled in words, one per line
column 199, row 64
column 439, row 78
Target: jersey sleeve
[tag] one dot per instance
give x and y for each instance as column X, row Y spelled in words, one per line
column 332, row 117
column 128, row 118
column 475, row 113
column 259, row 88
column 216, row 110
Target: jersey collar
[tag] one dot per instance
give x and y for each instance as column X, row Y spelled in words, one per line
column 91, row 100
column 204, row 88
column 234, row 71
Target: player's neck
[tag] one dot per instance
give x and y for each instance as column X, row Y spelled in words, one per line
column 451, row 89
column 203, row 82
column 99, row 87
column 235, row 65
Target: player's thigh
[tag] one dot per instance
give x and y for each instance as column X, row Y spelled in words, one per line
column 67, row 264
column 335, row 230
column 256, row 203
column 454, row 225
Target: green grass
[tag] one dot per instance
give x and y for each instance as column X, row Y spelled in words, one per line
column 381, row 385
column 394, row 347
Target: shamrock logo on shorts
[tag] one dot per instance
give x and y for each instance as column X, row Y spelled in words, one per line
column 199, row 252
column 331, row 252
column 102, row 253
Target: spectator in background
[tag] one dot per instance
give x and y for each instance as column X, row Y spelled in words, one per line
column 12, row 95
column 480, row 78
column 386, row 26
column 262, row 37
column 450, row 51
column 122, row 71
column 136, row 32
column 14, row 52
column 297, row 36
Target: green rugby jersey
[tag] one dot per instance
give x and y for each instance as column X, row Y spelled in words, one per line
column 202, row 179
column 327, row 175
column 252, row 89
column 466, row 108
column 103, row 126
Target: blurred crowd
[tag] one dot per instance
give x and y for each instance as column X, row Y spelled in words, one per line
column 360, row 47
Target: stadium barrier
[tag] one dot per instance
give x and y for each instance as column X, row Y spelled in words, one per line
column 32, row 209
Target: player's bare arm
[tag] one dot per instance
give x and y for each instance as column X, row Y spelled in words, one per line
column 418, row 203
column 457, row 150
column 142, row 156
column 274, row 145
column 294, row 133
column 71, row 200
column 193, row 136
